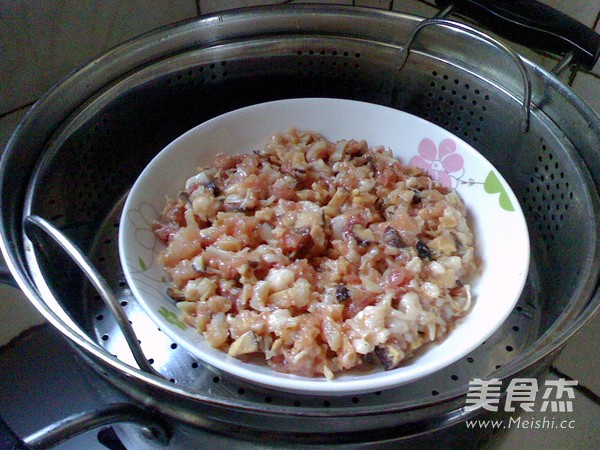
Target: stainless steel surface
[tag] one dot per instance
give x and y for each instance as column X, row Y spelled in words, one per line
column 33, row 224
column 526, row 102
column 75, row 425
column 180, row 368
column 95, row 133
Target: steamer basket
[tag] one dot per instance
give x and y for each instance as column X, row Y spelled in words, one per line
column 80, row 149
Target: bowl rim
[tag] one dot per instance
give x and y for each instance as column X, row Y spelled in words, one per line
column 348, row 384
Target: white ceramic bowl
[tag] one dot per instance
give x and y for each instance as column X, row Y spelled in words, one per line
column 502, row 240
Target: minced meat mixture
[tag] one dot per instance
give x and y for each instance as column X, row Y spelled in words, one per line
column 317, row 256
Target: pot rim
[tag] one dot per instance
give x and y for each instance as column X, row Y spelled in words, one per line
column 170, row 39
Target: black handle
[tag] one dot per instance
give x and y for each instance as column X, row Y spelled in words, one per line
column 9, row 440
column 533, row 24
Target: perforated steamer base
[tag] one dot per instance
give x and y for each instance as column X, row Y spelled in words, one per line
column 178, row 366
column 98, row 152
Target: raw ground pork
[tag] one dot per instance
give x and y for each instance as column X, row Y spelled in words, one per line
column 317, row 256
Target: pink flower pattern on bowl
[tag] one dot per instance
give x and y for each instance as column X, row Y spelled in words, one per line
column 447, row 158
column 442, row 163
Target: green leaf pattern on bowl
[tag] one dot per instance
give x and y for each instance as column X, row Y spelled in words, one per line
column 143, row 216
column 445, row 164
column 171, row 317
column 492, row 185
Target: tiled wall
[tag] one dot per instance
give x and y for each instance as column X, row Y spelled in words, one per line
column 42, row 41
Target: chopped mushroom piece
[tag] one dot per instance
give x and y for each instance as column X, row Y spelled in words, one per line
column 393, row 238
column 175, row 294
column 211, row 185
column 390, row 355
column 423, row 250
column 317, row 256
column 341, row 293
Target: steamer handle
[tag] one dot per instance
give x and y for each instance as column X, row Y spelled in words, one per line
column 526, row 106
column 153, row 429
column 33, row 223
column 533, row 24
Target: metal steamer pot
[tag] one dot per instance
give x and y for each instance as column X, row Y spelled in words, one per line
column 74, row 156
